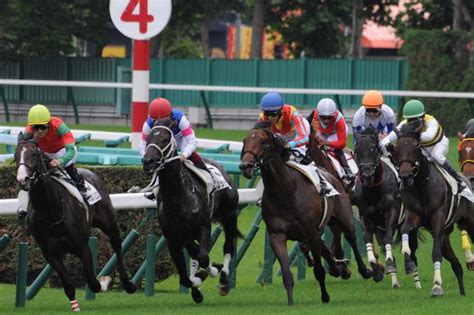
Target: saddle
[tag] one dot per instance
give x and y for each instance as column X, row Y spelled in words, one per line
column 214, row 180
column 311, row 173
column 337, row 166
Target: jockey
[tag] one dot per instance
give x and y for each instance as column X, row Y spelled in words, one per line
column 55, row 139
column 286, row 121
column 183, row 132
column 331, row 130
column 373, row 113
column 432, row 138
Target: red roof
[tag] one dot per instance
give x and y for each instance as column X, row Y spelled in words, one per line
column 376, row 36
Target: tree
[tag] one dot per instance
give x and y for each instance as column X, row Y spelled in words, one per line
column 258, row 27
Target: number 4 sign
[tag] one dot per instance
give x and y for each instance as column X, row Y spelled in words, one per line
column 140, row 19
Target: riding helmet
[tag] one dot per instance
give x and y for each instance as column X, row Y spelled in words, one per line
column 372, row 99
column 326, row 107
column 160, row 108
column 271, row 101
column 413, row 109
column 39, row 115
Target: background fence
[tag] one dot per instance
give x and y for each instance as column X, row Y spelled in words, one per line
column 302, row 73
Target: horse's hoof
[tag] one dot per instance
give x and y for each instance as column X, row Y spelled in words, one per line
column 334, row 272
column 218, row 266
column 366, row 273
column 213, row 271
column 346, row 273
column 95, row 287
column 224, row 290
column 202, row 275
column 437, row 291
column 378, row 275
column 197, row 295
column 130, row 287
column 325, row 298
column 410, row 267
column 470, row 265
column 396, row 285
column 104, row 282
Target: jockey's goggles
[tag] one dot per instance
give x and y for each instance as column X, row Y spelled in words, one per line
column 322, row 117
column 271, row 113
column 40, row 127
column 372, row 110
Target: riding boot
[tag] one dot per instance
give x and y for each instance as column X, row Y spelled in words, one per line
column 198, row 162
column 78, row 180
column 454, row 174
column 345, row 166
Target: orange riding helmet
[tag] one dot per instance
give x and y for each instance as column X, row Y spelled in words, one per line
column 372, row 99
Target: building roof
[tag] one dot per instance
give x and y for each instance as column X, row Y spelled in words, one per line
column 376, row 36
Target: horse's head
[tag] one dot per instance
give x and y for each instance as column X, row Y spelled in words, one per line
column 407, row 151
column 260, row 147
column 367, row 154
column 466, row 153
column 161, row 145
column 30, row 161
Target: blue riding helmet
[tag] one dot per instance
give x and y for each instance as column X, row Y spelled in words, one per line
column 271, row 102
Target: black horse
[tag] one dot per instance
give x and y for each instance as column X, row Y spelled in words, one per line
column 58, row 222
column 426, row 198
column 378, row 199
column 293, row 209
column 185, row 215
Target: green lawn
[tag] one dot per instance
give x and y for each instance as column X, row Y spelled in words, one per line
column 355, row 296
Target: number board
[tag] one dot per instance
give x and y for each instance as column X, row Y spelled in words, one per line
column 140, row 19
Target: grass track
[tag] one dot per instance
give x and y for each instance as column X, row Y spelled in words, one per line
column 355, row 296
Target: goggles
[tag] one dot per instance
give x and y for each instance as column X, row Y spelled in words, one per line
column 40, row 127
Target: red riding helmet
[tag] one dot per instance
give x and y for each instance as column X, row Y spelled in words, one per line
column 159, row 108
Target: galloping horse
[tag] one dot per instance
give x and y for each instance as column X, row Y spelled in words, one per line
column 186, row 212
column 58, row 222
column 426, row 198
column 378, row 198
column 292, row 207
column 466, row 160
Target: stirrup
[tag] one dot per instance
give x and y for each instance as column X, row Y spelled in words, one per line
column 150, row 195
column 21, row 212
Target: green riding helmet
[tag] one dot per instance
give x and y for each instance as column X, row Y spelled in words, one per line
column 413, row 109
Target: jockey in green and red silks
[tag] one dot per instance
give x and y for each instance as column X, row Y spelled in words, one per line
column 55, row 139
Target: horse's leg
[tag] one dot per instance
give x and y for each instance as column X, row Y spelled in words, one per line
column 369, row 229
column 466, row 246
column 193, row 250
column 347, row 226
column 338, row 252
column 110, row 228
column 327, row 255
column 437, row 231
column 390, row 224
column 176, row 251
column 204, row 244
column 407, row 227
column 230, row 228
column 85, row 256
column 278, row 243
column 448, row 253
column 413, row 243
column 305, row 250
column 58, row 266
column 316, row 244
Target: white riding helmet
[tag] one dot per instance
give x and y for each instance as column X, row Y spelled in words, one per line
column 326, row 107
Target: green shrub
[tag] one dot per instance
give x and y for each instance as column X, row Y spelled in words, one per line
column 117, row 180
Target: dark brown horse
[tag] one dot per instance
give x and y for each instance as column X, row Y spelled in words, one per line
column 186, row 213
column 426, row 198
column 378, row 198
column 466, row 161
column 59, row 223
column 292, row 207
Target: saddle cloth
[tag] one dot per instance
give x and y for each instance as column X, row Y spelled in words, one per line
column 213, row 179
column 311, row 173
column 92, row 196
column 456, row 196
column 350, row 161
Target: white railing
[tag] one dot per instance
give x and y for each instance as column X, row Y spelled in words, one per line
column 130, row 201
column 239, row 89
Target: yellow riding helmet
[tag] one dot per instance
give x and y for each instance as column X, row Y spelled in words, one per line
column 39, row 115
column 372, row 99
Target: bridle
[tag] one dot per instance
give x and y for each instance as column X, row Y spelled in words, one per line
column 267, row 144
column 461, row 148
column 415, row 164
column 41, row 164
column 372, row 166
column 170, row 148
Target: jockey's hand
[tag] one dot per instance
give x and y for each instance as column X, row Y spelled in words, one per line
column 54, row 163
column 382, row 135
column 287, row 146
column 182, row 157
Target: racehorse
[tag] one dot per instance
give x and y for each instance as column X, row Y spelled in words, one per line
column 466, row 161
column 186, row 212
column 58, row 222
column 292, row 208
column 426, row 198
column 378, row 198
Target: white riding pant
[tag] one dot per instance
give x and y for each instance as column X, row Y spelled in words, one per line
column 438, row 151
column 61, row 153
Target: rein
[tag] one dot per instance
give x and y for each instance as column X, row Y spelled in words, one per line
column 171, row 147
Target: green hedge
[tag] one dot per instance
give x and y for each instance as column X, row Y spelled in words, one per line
column 117, row 180
column 438, row 61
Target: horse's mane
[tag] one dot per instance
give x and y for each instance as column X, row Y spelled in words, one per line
column 412, row 128
column 262, row 124
column 165, row 122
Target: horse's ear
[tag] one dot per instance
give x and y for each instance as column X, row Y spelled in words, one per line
column 460, row 136
column 419, row 128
